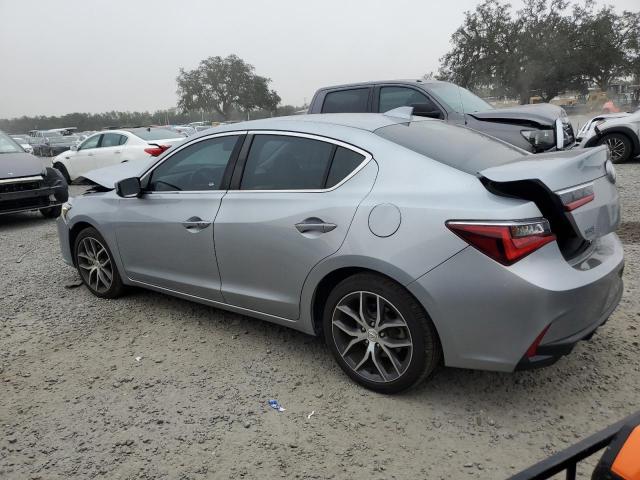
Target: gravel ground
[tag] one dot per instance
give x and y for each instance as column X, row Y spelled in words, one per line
column 76, row 402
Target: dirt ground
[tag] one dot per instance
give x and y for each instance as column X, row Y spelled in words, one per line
column 150, row 386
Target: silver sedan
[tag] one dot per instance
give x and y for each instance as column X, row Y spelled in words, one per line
column 406, row 242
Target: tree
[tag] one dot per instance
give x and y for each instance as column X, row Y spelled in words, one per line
column 544, row 49
column 607, row 42
column 222, row 85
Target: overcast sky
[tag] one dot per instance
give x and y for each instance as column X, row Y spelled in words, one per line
column 67, row 56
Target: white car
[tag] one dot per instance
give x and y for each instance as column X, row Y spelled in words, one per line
column 619, row 131
column 110, row 147
column 23, row 141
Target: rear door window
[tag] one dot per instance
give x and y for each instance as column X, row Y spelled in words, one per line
column 354, row 100
column 111, row 140
column 280, row 162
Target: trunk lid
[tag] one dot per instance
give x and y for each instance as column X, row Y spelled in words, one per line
column 561, row 184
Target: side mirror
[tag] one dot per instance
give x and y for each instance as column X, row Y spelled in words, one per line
column 74, row 148
column 426, row 110
column 129, row 187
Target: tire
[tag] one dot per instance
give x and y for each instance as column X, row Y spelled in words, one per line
column 51, row 212
column 88, row 247
column 365, row 352
column 619, row 145
column 63, row 170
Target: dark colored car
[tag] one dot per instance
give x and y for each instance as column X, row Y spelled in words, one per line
column 25, row 185
column 535, row 128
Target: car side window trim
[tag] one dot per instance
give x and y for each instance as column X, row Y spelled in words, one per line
column 237, row 175
column 146, row 176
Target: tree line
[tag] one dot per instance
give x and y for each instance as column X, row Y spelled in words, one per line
column 545, row 48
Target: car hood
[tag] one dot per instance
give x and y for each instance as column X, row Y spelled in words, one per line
column 541, row 113
column 107, row 177
column 15, row 165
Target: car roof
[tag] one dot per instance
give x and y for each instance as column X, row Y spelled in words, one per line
column 369, row 122
column 418, row 81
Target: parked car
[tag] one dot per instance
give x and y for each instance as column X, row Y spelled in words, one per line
column 535, row 128
column 403, row 241
column 25, row 185
column 114, row 146
column 47, row 143
column 23, row 141
column 620, row 132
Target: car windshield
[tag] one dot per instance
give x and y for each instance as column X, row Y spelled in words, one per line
column 150, row 133
column 459, row 99
column 9, row 145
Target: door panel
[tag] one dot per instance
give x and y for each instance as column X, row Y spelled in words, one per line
column 264, row 258
column 161, row 244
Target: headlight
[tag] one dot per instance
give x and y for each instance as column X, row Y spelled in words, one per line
column 540, row 139
column 65, row 211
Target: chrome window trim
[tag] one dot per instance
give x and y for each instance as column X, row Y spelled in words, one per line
column 145, row 175
column 22, row 179
column 286, row 133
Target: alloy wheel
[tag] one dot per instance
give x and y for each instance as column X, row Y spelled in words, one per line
column 372, row 336
column 95, row 264
column 616, row 147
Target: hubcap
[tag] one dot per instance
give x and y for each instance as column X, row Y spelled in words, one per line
column 95, row 264
column 616, row 147
column 372, row 336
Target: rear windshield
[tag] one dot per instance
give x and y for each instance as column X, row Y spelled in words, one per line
column 458, row 147
column 154, row 133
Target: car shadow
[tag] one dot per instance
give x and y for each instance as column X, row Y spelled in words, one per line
column 13, row 221
column 482, row 390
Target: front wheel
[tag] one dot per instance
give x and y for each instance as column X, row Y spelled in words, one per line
column 63, row 170
column 379, row 334
column 619, row 145
column 96, row 265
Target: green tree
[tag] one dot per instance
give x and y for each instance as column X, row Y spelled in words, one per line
column 222, row 85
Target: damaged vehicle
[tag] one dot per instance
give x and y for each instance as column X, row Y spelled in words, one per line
column 25, row 185
column 535, row 128
column 405, row 242
column 620, row 132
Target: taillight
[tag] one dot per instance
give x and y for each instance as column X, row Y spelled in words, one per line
column 156, row 150
column 505, row 242
column 575, row 197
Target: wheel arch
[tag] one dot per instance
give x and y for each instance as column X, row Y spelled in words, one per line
column 620, row 129
column 329, row 277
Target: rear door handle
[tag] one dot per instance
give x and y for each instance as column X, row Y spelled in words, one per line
column 195, row 224
column 314, row 224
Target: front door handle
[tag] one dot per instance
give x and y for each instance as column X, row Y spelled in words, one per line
column 314, row 224
column 195, row 224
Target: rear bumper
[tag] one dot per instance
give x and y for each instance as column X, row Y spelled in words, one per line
column 488, row 315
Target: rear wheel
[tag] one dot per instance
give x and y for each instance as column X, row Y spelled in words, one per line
column 96, row 265
column 619, row 145
column 379, row 334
